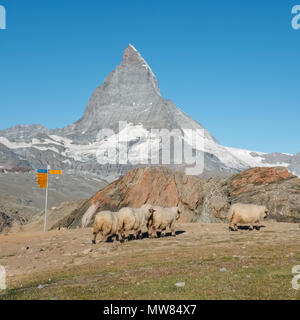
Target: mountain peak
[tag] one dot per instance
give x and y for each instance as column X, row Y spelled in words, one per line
column 132, row 57
column 129, row 93
column 132, row 47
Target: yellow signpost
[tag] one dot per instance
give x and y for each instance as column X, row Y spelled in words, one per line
column 55, row 172
column 42, row 180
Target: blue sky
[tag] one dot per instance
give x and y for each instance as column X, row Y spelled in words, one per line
column 232, row 65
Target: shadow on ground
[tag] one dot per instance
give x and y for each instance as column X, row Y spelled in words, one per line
column 145, row 235
column 248, row 228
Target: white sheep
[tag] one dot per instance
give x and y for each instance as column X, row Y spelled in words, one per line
column 248, row 214
column 133, row 221
column 106, row 223
column 163, row 218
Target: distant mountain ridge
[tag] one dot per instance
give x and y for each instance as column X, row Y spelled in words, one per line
column 131, row 94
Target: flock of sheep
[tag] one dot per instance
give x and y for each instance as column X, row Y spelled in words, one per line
column 131, row 221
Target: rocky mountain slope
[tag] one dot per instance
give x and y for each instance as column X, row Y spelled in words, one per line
column 129, row 94
column 201, row 200
column 22, row 201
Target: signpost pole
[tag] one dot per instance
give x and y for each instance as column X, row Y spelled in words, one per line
column 46, row 202
column 43, row 182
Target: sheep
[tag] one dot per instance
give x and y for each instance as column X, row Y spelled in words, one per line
column 106, row 223
column 133, row 220
column 246, row 214
column 163, row 218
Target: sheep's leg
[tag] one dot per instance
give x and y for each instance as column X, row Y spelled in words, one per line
column 153, row 232
column 233, row 225
column 120, row 237
column 132, row 235
column 135, row 234
column 106, row 232
column 163, row 232
column 139, row 234
column 172, row 227
column 95, row 233
column 126, row 235
column 104, row 237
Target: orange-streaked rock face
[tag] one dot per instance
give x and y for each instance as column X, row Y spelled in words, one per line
column 156, row 186
column 251, row 178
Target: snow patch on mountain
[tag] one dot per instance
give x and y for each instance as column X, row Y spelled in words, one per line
column 253, row 158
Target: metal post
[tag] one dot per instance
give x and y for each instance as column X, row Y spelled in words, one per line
column 46, row 202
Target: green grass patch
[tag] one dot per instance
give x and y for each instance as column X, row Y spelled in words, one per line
column 156, row 280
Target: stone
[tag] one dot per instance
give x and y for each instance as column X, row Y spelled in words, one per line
column 87, row 251
column 179, row 284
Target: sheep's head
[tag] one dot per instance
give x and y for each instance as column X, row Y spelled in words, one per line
column 149, row 213
column 150, row 218
column 148, row 209
column 151, row 210
column 266, row 213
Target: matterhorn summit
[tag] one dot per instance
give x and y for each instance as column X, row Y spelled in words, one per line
column 132, row 57
column 129, row 93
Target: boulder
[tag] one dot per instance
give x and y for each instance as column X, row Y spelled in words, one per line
column 276, row 188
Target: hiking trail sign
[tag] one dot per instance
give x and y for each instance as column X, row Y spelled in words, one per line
column 42, row 180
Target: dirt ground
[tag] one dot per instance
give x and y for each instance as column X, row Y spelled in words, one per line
column 34, row 256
